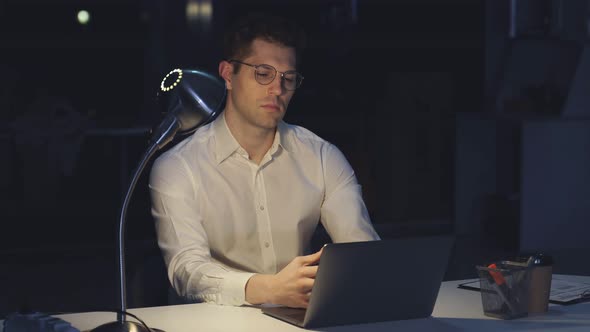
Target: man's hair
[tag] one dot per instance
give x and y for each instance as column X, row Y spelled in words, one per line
column 273, row 29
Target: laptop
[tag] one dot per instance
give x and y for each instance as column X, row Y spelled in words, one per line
column 373, row 281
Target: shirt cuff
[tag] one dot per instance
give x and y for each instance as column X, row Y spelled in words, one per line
column 234, row 287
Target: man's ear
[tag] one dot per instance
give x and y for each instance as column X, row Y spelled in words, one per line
column 225, row 71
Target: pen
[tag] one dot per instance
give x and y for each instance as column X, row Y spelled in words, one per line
column 498, row 283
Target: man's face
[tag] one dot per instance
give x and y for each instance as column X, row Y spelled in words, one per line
column 254, row 104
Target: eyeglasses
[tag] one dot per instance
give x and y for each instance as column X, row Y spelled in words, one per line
column 265, row 74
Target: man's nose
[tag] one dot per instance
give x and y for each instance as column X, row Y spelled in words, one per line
column 276, row 86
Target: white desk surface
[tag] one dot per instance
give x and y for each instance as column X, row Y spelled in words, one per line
column 455, row 310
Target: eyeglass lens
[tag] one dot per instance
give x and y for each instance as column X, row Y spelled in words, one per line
column 265, row 74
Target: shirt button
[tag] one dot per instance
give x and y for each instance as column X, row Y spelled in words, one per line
column 261, row 208
column 266, row 244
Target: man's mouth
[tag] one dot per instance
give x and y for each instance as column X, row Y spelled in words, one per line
column 271, row 106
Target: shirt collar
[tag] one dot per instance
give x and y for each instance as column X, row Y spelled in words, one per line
column 282, row 136
column 226, row 144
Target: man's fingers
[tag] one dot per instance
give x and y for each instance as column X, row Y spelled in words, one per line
column 302, row 301
column 308, row 271
column 313, row 258
column 305, row 285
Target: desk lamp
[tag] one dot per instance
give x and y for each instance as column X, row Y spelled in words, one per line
column 191, row 98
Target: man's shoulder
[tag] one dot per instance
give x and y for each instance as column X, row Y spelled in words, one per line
column 303, row 141
column 187, row 146
column 298, row 135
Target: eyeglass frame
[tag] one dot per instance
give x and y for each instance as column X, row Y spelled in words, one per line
column 275, row 75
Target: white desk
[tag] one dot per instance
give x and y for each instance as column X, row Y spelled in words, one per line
column 455, row 310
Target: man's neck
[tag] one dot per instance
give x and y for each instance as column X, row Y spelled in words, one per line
column 255, row 140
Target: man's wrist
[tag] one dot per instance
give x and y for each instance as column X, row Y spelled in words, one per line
column 259, row 289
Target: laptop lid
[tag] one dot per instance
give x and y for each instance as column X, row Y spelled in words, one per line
column 365, row 282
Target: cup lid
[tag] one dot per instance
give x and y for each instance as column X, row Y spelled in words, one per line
column 540, row 259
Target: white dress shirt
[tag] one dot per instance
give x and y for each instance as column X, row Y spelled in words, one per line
column 220, row 217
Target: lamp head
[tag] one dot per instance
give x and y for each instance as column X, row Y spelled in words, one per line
column 190, row 98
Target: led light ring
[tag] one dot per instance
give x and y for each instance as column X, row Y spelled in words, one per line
column 173, row 85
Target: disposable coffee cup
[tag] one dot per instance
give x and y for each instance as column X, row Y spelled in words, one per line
column 541, row 266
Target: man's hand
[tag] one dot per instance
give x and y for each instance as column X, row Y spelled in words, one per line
column 291, row 286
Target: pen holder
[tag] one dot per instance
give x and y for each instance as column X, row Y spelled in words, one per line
column 504, row 290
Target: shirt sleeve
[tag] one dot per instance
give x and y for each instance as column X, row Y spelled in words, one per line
column 343, row 212
column 193, row 273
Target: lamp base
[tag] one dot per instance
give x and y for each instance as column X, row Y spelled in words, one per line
column 123, row 327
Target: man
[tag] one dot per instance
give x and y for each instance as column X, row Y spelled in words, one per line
column 236, row 204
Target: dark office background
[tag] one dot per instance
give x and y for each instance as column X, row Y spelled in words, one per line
column 468, row 117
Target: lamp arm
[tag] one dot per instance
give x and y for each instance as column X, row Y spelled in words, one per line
column 186, row 111
column 163, row 135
